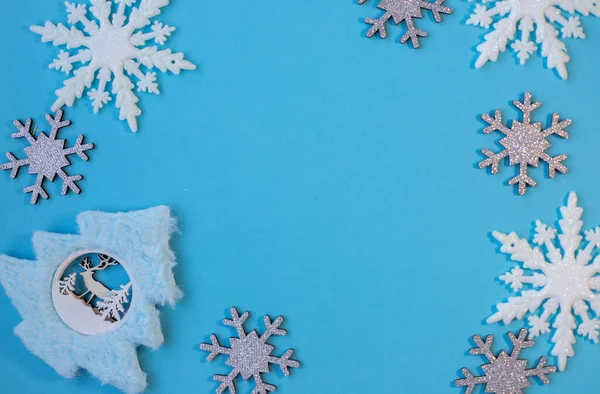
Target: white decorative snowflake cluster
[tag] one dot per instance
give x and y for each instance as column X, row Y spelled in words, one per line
column 564, row 284
column 111, row 50
column 508, row 16
column 249, row 354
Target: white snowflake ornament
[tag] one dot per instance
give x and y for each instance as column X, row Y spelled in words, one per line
column 47, row 157
column 111, row 51
column 508, row 16
column 562, row 283
column 525, row 143
column 249, row 354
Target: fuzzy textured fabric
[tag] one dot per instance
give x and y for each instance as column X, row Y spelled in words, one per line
column 141, row 240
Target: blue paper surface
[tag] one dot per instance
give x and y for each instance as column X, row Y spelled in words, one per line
column 315, row 174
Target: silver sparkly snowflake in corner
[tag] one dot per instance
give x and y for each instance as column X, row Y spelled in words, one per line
column 525, row 143
column 504, row 374
column 109, row 50
column 566, row 283
column 508, row 16
column 249, row 354
column 405, row 10
column 46, row 156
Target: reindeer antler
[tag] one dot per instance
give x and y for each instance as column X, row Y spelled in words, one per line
column 86, row 263
column 105, row 261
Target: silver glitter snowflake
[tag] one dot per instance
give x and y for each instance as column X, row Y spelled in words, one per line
column 404, row 10
column 504, row 374
column 46, row 156
column 525, row 143
column 249, row 354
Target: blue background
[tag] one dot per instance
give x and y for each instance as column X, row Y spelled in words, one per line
column 316, row 174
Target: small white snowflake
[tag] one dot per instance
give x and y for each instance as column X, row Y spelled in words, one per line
column 525, row 143
column 508, row 16
column 563, row 284
column 109, row 51
column 405, row 10
column 249, row 354
column 47, row 157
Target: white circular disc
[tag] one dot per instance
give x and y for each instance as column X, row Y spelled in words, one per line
column 92, row 292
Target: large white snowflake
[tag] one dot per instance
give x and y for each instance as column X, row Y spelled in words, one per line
column 109, row 50
column 543, row 16
column 564, row 283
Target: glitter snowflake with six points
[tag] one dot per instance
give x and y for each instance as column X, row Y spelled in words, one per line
column 46, row 157
column 504, row 373
column 525, row 143
column 565, row 283
column 508, row 16
column 405, row 10
column 109, row 50
column 249, row 354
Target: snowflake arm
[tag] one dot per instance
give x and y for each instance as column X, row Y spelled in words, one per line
column 524, row 47
column 215, row 348
column 237, row 321
column 73, row 87
column 539, row 324
column 589, row 326
column 571, row 225
column 520, row 250
column 563, row 338
column 113, row 45
column 494, row 159
column 60, row 35
column 516, row 307
column 495, row 42
column 15, row 164
column 585, row 255
column 483, row 348
column 516, row 278
column 261, row 387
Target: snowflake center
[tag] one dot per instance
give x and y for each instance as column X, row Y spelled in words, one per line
column 46, row 156
column 569, row 280
column 525, row 143
column 401, row 9
column 506, row 374
column 249, row 355
column 111, row 47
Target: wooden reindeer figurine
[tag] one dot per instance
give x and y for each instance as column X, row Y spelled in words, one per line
column 94, row 287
